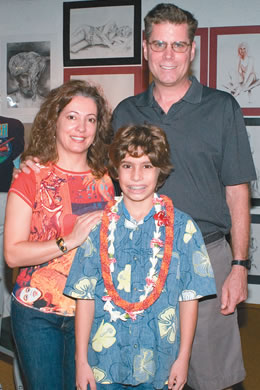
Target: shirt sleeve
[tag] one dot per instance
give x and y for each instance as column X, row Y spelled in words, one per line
column 197, row 278
column 237, row 163
column 85, row 270
column 25, row 187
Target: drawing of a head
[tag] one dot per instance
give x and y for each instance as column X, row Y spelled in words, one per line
column 26, row 68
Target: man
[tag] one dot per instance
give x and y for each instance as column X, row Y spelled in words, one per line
column 213, row 165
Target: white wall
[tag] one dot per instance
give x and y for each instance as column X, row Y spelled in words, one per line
column 20, row 19
column 216, row 13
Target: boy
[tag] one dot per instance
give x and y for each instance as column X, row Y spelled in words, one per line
column 138, row 277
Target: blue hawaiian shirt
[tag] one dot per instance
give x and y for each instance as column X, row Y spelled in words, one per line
column 142, row 350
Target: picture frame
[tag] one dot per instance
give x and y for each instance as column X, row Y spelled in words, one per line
column 253, row 131
column 30, row 68
column 199, row 66
column 113, row 39
column 117, row 83
column 235, row 64
column 254, row 248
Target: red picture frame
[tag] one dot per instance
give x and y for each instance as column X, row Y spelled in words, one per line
column 139, row 74
column 226, row 42
column 203, row 35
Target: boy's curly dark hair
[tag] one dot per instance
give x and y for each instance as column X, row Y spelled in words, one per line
column 150, row 139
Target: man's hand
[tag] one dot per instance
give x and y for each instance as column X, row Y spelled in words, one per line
column 234, row 290
column 26, row 166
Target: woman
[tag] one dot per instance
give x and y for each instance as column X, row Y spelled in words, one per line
column 48, row 215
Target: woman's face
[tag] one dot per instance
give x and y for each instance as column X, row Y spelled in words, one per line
column 242, row 51
column 30, row 294
column 76, row 126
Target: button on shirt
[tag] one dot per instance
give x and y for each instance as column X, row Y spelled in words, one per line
column 140, row 350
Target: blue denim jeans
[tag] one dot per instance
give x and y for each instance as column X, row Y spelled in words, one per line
column 46, row 348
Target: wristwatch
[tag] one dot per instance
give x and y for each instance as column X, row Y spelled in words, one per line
column 61, row 244
column 244, row 263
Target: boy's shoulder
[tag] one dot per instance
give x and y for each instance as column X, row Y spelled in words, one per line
column 184, row 224
column 181, row 218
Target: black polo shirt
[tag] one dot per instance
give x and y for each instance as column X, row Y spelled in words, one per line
column 209, row 149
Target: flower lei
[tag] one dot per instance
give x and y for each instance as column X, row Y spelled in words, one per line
column 154, row 285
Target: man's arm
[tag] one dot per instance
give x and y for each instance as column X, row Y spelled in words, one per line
column 234, row 289
column 188, row 321
column 85, row 309
column 26, row 166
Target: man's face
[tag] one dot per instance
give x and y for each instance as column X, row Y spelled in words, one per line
column 168, row 67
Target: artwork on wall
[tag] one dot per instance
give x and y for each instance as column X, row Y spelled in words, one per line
column 253, row 131
column 102, row 32
column 117, row 83
column 235, row 64
column 254, row 248
column 27, row 75
column 199, row 66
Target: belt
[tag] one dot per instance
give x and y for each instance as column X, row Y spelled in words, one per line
column 211, row 237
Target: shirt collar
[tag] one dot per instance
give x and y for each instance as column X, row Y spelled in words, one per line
column 122, row 211
column 193, row 95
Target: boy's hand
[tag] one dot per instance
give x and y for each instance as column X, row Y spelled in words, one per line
column 26, row 166
column 178, row 374
column 84, row 377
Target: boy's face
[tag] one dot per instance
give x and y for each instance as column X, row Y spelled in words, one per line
column 138, row 180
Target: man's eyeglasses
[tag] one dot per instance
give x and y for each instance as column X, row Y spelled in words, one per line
column 177, row 46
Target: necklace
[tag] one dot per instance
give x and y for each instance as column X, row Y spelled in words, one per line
column 154, row 284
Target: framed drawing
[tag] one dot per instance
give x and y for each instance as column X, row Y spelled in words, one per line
column 253, row 131
column 117, row 83
column 199, row 66
column 102, row 32
column 254, row 248
column 235, row 64
column 27, row 74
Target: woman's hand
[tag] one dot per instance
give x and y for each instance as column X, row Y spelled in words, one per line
column 83, row 226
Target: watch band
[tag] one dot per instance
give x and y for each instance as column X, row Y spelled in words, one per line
column 61, row 244
column 244, row 263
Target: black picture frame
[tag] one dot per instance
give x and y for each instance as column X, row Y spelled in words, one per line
column 102, row 32
column 253, row 130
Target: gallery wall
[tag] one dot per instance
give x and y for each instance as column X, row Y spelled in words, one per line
column 42, row 20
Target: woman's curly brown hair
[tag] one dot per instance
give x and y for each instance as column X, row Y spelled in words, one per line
column 150, row 139
column 42, row 142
